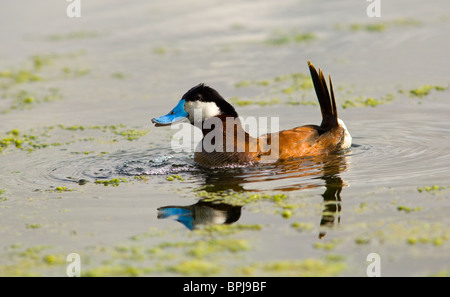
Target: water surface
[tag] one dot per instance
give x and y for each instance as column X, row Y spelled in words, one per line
column 121, row 64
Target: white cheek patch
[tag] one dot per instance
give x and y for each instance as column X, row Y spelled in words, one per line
column 198, row 110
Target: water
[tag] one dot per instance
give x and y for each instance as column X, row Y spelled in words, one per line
column 120, row 65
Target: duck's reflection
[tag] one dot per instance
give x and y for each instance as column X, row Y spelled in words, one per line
column 288, row 176
column 201, row 213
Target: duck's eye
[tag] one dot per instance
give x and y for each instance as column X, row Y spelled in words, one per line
column 172, row 112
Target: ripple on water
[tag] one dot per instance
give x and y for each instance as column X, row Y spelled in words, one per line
column 407, row 153
column 121, row 163
column 396, row 156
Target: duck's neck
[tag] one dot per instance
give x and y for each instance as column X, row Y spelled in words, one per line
column 223, row 124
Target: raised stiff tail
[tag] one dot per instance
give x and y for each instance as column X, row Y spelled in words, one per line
column 327, row 103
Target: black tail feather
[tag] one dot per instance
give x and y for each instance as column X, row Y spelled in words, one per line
column 327, row 104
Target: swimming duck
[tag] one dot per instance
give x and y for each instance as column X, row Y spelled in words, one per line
column 227, row 144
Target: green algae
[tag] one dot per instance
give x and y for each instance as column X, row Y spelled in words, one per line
column 195, row 267
column 115, row 182
column 174, row 177
column 26, row 142
column 300, row 268
column 377, row 27
column 291, row 89
column 21, row 76
column 62, row 189
column 33, row 70
column 227, row 229
column 33, row 226
column 237, row 198
column 408, row 209
column 425, row 90
column 76, row 35
column 118, row 75
column 240, row 102
column 159, row 50
column 32, row 142
column 300, row 226
column 363, row 101
column 115, row 270
column 67, row 72
column 329, row 245
column 31, row 261
column 434, row 189
column 279, row 38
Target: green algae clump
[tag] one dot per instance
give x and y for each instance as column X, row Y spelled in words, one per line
column 112, row 182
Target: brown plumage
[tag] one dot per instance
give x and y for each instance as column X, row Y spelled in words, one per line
column 303, row 141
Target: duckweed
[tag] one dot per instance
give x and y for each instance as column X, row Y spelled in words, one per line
column 283, row 38
column 115, row 270
column 26, row 100
column 204, row 248
column 302, row 268
column 235, row 198
column 174, row 177
column 62, row 189
column 286, row 214
column 367, row 101
column 327, row 245
column 196, row 267
column 33, row 226
column 436, row 241
column 227, row 229
column 408, row 209
column 382, row 26
column 159, row 50
column 73, row 35
column 291, row 89
column 425, row 90
column 302, row 226
column 112, row 182
column 434, row 189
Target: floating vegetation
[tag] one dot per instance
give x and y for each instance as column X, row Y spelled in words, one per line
column 33, row 226
column 14, row 77
column 196, row 267
column 24, row 99
column 299, row 226
column 159, row 50
column 327, row 245
column 425, row 90
column 436, row 241
column 235, row 198
column 62, row 189
column 239, row 102
column 174, row 177
column 118, row 75
column 115, row 182
column 33, row 141
column 380, row 26
column 331, row 266
column 279, row 37
column 32, row 260
column 129, row 134
column 434, row 189
column 15, row 138
column 68, row 72
column 291, row 89
column 73, row 35
column 227, row 229
column 408, row 209
column 363, row 101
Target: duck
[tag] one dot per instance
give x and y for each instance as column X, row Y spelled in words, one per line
column 226, row 144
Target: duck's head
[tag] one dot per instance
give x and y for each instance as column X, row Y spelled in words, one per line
column 198, row 104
